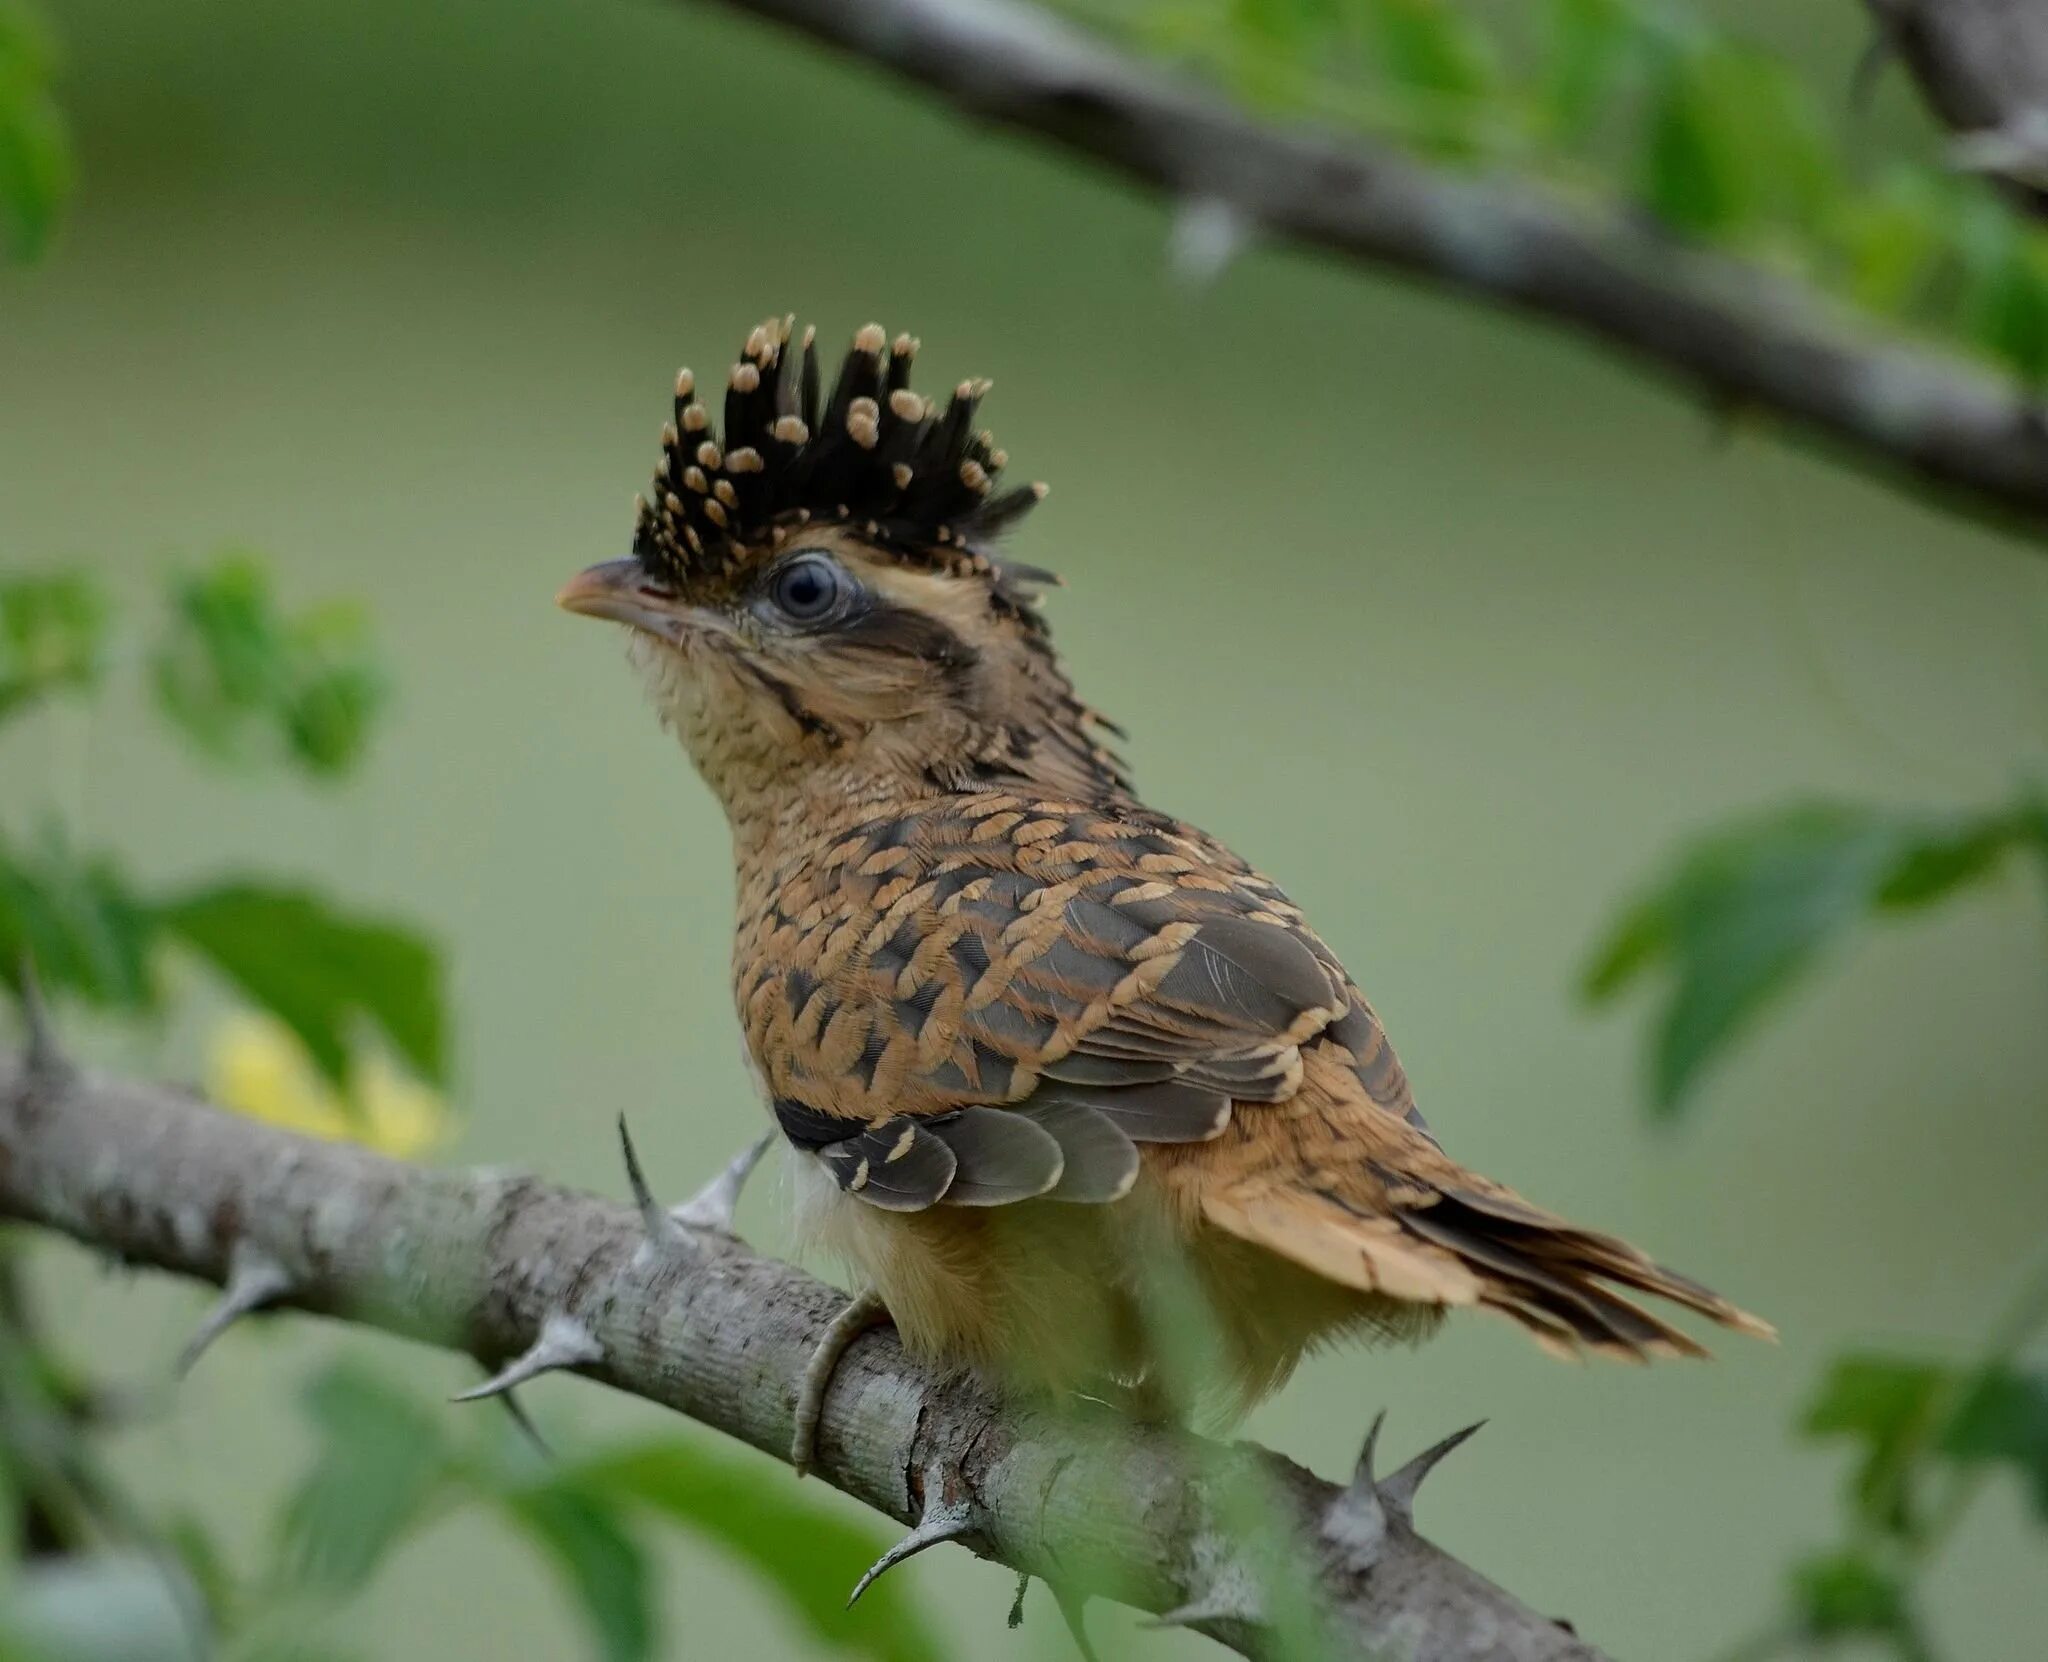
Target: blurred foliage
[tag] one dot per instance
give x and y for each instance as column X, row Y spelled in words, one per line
column 1740, row 917
column 249, row 684
column 1645, row 108
column 229, row 664
column 1743, row 914
column 258, row 1067
column 35, row 145
column 318, row 970
column 52, row 637
column 1925, row 1433
column 387, row 1466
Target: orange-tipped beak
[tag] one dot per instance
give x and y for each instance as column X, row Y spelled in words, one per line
column 621, row 592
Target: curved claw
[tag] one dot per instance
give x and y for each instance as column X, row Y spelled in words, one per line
column 860, row 1314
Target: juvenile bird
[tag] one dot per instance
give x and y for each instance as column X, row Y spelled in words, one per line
column 1065, row 1073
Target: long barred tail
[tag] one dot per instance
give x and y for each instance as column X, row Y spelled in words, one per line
column 1449, row 1244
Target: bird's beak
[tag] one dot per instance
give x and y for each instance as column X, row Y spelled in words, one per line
column 621, row 591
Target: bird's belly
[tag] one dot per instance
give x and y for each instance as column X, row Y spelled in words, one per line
column 1049, row 1297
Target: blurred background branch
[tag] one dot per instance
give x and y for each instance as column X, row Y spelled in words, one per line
column 1983, row 68
column 1750, row 338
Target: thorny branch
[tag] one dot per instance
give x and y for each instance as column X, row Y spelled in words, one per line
column 526, row 1277
column 1746, row 336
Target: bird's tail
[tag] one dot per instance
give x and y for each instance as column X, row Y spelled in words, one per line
column 1463, row 1241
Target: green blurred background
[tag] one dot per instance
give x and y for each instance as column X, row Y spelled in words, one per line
column 1450, row 623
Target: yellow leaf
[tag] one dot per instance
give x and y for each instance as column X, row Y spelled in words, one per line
column 256, row 1067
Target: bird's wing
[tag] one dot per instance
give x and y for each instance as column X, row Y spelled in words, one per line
column 996, row 998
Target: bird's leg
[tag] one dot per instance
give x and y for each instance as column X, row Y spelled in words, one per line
column 864, row 1311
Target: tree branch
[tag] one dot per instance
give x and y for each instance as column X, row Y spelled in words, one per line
column 498, row 1265
column 1745, row 335
column 1982, row 66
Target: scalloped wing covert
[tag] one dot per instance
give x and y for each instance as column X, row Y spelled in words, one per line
column 1097, row 974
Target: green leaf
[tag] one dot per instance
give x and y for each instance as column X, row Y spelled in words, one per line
column 605, row 1570
column 1588, row 46
column 1733, row 142
column 1441, row 63
column 87, row 932
column 2005, row 285
column 1890, row 243
column 1845, row 1594
column 382, row 1458
column 35, row 145
column 1431, row 46
column 248, row 684
column 1888, row 1405
column 2004, row 1417
column 808, row 1554
column 213, row 1579
column 319, row 970
column 52, row 637
column 1745, row 912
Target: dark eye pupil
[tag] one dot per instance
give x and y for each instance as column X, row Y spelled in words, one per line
column 807, row 590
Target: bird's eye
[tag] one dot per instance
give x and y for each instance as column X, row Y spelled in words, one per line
column 811, row 589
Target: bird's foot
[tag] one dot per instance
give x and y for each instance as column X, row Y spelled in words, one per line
column 711, row 1209
column 863, row 1312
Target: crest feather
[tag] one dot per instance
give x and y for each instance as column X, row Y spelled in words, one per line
column 913, row 480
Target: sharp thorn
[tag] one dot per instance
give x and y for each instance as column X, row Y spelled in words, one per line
column 1878, row 52
column 1208, row 233
column 1362, row 1476
column 254, row 1280
column 714, row 1206
column 660, row 1227
column 1073, row 1608
column 1397, row 1494
column 531, row 1432
column 1199, row 1610
column 943, row 1520
column 1356, row 1521
column 564, row 1342
column 45, row 1058
column 1074, row 1612
column 1230, row 1594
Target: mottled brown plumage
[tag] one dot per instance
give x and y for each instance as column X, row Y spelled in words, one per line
column 1067, row 1074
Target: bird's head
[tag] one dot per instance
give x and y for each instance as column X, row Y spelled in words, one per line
column 814, row 595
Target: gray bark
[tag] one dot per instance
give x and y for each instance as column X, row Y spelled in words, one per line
column 1746, row 336
column 496, row 1265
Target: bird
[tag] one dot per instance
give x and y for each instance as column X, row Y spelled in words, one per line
column 1078, row 1093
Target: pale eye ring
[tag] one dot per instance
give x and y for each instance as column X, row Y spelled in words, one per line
column 811, row 589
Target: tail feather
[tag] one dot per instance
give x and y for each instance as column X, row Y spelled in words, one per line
column 1459, row 1245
